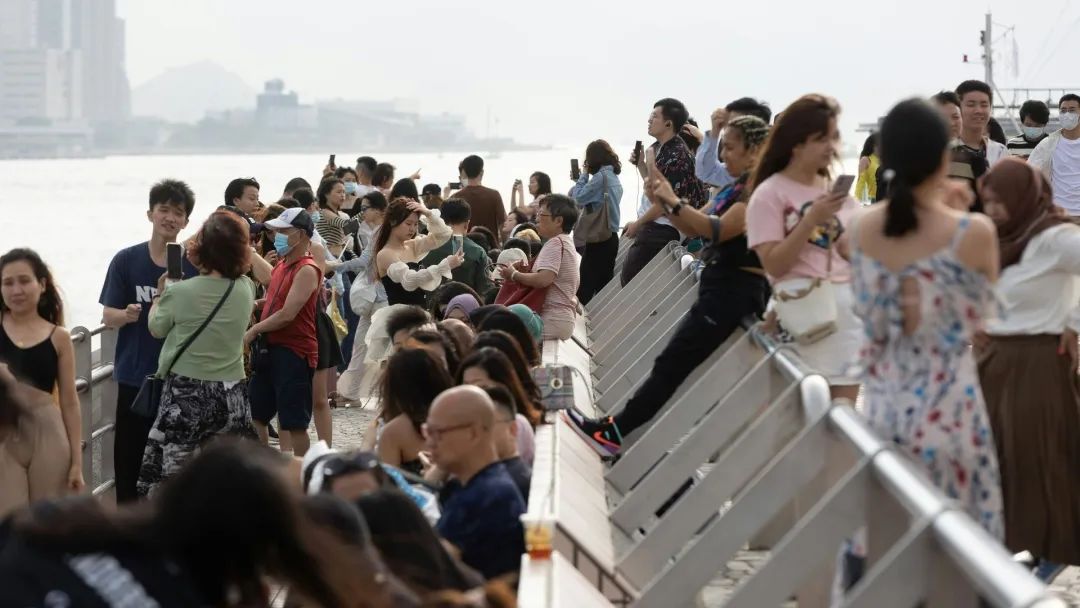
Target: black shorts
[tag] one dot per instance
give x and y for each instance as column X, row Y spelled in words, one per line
column 283, row 387
column 329, row 349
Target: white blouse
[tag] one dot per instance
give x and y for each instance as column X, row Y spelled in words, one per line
column 1041, row 293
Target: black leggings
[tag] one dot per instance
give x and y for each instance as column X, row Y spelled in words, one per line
column 597, row 267
column 716, row 315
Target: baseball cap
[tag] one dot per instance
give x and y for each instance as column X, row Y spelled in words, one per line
column 293, row 218
column 431, row 189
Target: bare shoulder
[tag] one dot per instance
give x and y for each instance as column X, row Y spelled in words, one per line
column 978, row 246
column 61, row 339
column 981, row 229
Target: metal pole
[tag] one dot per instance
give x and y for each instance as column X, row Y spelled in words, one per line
column 988, row 50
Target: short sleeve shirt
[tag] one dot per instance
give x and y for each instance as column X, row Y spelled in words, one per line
column 482, row 519
column 777, row 206
column 558, row 256
column 132, row 279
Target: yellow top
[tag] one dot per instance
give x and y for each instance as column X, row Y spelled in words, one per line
column 866, row 187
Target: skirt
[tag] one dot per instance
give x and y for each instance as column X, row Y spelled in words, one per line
column 1033, row 399
column 192, row 412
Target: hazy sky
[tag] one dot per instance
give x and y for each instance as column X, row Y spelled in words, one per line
column 556, row 71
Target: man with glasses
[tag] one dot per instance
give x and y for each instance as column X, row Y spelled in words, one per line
column 482, row 516
column 1058, row 157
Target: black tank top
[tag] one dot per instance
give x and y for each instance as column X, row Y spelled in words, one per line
column 396, row 294
column 36, row 365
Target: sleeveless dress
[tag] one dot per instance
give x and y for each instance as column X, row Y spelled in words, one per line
column 922, row 390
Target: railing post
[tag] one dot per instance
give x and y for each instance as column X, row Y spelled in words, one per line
column 81, row 340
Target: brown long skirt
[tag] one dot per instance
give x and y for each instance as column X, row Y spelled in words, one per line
column 1033, row 399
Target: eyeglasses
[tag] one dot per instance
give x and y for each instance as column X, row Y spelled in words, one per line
column 543, row 215
column 436, row 433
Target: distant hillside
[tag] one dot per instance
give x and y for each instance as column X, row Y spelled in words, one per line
column 186, row 93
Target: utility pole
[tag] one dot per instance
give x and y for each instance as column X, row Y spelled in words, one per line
column 988, row 50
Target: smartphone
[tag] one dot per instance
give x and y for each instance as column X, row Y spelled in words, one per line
column 173, row 265
column 842, row 185
column 638, row 148
column 459, row 243
column 333, row 157
column 455, row 185
column 575, row 170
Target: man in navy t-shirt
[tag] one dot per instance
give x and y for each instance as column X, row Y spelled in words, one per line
column 130, row 287
column 482, row 517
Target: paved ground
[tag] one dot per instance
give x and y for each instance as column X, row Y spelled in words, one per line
column 1067, row 585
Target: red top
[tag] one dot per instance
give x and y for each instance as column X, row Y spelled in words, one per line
column 299, row 335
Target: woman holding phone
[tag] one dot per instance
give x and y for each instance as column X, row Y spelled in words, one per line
column 796, row 223
column 596, row 191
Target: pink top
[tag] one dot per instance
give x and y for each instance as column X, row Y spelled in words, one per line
column 560, row 305
column 777, row 206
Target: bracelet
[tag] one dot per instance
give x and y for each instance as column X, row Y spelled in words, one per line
column 677, row 208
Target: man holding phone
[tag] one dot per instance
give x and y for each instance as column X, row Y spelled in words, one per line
column 675, row 162
column 129, row 289
column 473, row 271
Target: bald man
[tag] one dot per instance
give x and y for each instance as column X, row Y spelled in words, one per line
column 482, row 508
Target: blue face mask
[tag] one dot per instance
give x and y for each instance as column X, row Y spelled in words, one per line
column 350, row 187
column 281, row 244
column 316, row 216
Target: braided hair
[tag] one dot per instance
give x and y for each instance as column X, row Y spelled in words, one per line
column 752, row 129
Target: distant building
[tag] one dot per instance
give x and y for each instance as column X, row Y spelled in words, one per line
column 18, row 24
column 277, row 109
column 99, row 34
column 40, row 85
column 63, row 60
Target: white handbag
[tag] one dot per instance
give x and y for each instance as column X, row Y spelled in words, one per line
column 807, row 310
column 807, row 307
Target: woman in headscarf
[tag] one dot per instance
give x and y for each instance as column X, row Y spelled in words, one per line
column 1028, row 364
column 460, row 307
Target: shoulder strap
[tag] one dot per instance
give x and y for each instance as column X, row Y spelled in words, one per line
column 213, row 313
column 961, row 228
column 714, row 227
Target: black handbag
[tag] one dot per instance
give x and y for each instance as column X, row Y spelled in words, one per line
column 148, row 399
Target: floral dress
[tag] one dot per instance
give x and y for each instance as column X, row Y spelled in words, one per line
column 922, row 390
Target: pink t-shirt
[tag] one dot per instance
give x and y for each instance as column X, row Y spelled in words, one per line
column 558, row 256
column 777, row 206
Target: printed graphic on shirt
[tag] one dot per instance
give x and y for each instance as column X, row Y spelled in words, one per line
column 144, row 294
column 114, row 583
column 823, row 235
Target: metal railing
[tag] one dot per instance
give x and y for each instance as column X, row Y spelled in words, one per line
column 750, row 450
column 97, row 404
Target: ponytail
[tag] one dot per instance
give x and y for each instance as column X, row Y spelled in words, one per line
column 900, row 216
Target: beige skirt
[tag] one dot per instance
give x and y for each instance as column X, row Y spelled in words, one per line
column 1033, row 399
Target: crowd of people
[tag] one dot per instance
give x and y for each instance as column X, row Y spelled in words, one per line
column 952, row 306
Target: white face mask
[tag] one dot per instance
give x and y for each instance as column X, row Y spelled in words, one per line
column 1069, row 120
column 1033, row 133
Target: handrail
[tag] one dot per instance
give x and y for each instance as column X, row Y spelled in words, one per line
column 97, row 395
column 982, row 564
column 989, row 567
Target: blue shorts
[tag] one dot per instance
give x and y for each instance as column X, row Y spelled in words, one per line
column 282, row 387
